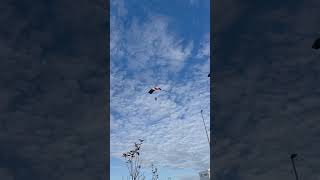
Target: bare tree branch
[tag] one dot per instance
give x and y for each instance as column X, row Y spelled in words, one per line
column 133, row 162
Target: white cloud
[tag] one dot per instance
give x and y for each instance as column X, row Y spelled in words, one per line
column 188, row 177
column 151, row 44
column 119, row 7
column 148, row 44
column 193, row 2
column 171, row 126
column 204, row 51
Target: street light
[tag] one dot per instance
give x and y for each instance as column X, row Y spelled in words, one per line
column 316, row 44
column 205, row 127
column 294, row 167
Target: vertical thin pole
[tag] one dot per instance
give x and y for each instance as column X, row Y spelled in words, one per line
column 205, row 127
column 294, row 168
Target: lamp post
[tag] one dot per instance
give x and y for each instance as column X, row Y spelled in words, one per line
column 316, row 44
column 294, row 167
column 205, row 127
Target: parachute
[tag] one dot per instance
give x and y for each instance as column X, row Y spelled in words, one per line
column 316, row 44
column 155, row 89
column 152, row 90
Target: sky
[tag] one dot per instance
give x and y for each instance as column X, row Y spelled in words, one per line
column 166, row 44
column 54, row 84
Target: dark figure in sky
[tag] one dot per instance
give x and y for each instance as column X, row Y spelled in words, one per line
column 154, row 89
column 316, row 44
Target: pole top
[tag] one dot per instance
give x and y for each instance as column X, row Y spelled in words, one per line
column 293, row 156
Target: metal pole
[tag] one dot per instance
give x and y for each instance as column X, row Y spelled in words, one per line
column 205, row 127
column 294, row 167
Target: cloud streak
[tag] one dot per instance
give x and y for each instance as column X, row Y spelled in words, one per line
column 149, row 53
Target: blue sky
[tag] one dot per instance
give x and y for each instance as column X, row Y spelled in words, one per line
column 160, row 43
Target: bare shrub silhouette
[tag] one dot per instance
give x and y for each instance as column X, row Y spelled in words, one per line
column 133, row 161
column 155, row 175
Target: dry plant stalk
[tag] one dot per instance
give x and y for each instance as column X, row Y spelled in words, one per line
column 133, row 162
column 155, row 175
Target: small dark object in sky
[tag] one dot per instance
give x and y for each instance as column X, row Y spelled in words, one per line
column 293, row 156
column 155, row 98
column 209, row 75
column 141, row 140
column 154, row 89
column 316, row 44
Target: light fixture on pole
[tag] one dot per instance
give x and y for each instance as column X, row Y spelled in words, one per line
column 294, row 167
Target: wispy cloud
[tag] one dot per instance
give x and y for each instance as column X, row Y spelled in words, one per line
column 204, row 51
column 120, row 8
column 148, row 44
column 151, row 44
column 171, row 126
column 193, row 2
column 144, row 54
column 188, row 178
